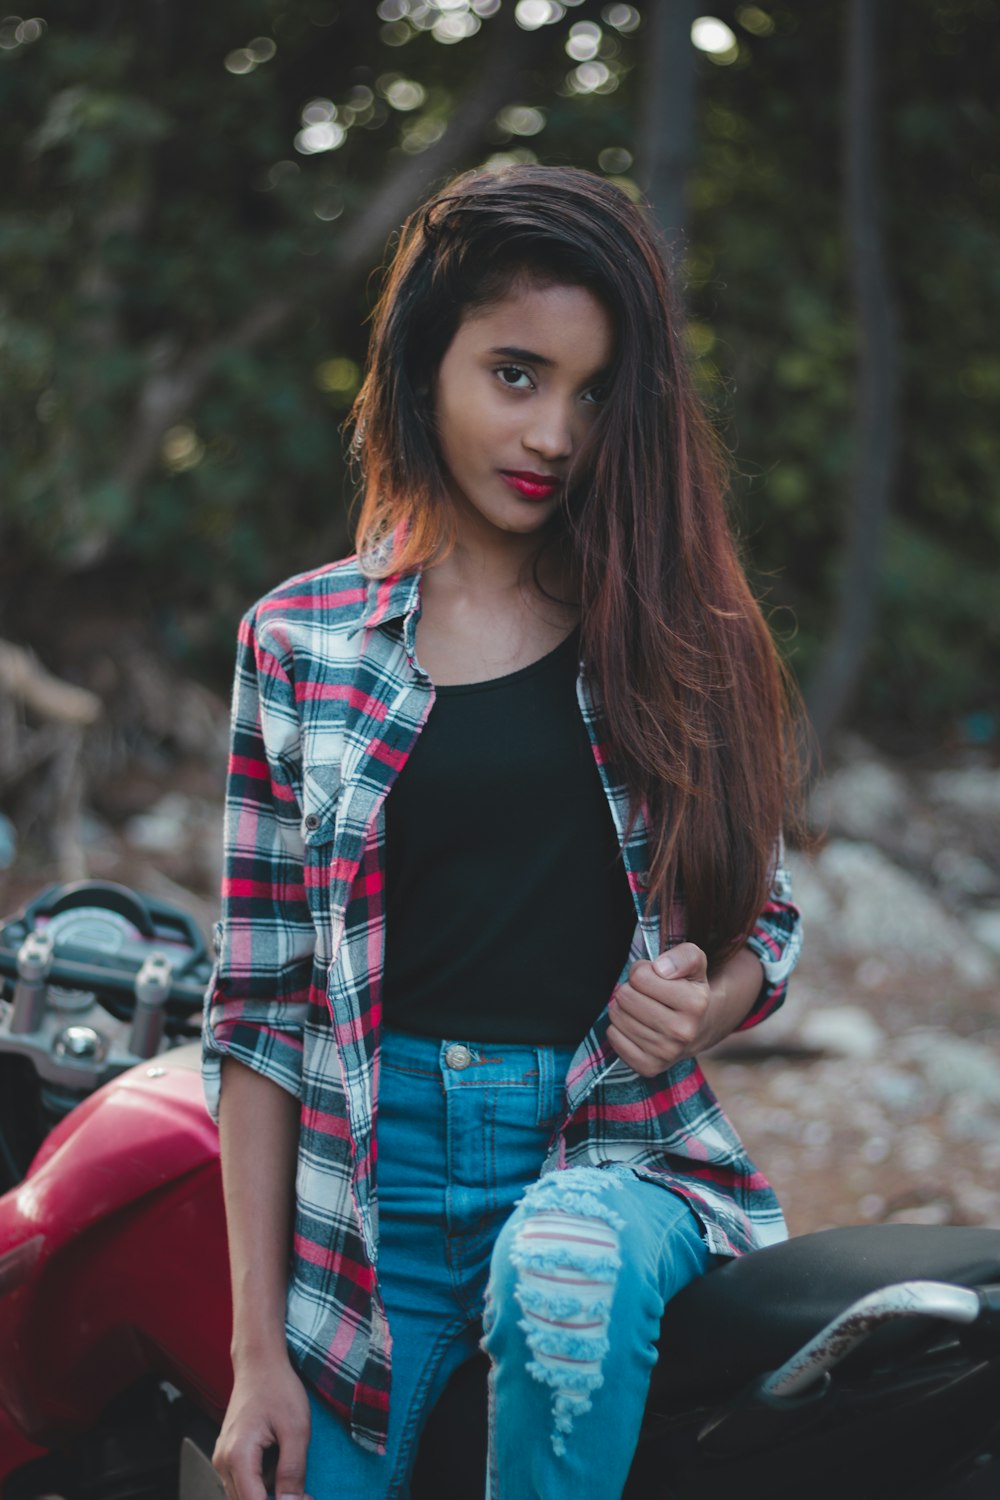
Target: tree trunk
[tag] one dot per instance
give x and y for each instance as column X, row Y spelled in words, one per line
column 829, row 693
column 667, row 131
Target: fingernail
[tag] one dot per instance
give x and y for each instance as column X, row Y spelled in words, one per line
column 664, row 966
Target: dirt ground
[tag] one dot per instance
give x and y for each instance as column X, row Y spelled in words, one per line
column 883, row 1138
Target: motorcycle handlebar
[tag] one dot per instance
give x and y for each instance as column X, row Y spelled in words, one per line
column 183, row 996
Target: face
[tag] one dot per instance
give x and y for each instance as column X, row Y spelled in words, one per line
column 515, row 397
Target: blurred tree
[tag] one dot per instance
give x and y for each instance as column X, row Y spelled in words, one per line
column 667, row 129
column 873, row 475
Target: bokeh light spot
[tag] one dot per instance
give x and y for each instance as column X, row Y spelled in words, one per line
column 328, row 206
column 402, row 93
column 319, row 111
column 592, row 78
column 239, row 61
column 455, row 28
column 31, row 30
column 584, row 41
column 341, row 377
column 261, row 49
column 700, row 339
column 715, row 39
column 182, row 449
column 623, row 18
column 325, row 137
column 614, row 160
column 521, row 119
column 520, row 156
column 422, row 133
column 754, row 20
column 532, row 14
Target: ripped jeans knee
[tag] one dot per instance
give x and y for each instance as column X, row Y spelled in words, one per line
column 554, row 1274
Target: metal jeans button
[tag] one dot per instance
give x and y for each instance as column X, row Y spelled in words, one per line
column 457, row 1056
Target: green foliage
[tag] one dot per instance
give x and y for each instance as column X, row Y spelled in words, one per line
column 768, row 270
column 158, row 195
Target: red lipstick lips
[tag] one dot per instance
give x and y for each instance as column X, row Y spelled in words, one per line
column 532, row 486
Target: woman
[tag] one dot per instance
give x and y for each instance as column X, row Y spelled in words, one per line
column 532, row 741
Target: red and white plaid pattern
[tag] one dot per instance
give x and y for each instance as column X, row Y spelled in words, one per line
column 328, row 702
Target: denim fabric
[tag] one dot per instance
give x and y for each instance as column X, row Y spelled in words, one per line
column 457, row 1148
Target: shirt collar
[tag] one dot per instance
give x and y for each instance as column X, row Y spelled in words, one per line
column 393, row 601
column 393, row 598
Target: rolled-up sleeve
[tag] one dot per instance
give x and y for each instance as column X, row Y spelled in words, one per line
column 777, row 941
column 258, row 994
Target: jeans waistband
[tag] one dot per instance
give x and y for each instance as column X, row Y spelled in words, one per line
column 465, row 1064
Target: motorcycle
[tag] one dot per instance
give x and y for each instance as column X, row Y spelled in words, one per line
column 859, row 1361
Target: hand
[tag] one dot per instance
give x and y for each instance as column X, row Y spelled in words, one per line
column 661, row 1013
column 269, row 1407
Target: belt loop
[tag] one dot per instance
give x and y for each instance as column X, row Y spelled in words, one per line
column 546, row 1075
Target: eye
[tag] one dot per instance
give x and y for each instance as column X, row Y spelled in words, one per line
column 514, row 377
column 597, row 394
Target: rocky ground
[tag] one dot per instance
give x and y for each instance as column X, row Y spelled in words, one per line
column 874, row 1095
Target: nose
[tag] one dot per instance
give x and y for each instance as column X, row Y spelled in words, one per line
column 550, row 431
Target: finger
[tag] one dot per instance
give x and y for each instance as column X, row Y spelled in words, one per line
column 680, row 1005
column 638, row 1060
column 290, row 1475
column 643, row 1019
column 651, row 1009
column 684, row 961
column 661, row 1045
column 246, row 1470
column 220, row 1464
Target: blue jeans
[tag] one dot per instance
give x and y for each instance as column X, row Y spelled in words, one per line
column 568, row 1274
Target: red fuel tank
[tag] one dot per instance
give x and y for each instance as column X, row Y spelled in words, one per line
column 113, row 1258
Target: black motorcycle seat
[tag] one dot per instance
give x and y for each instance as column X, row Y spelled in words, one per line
column 750, row 1314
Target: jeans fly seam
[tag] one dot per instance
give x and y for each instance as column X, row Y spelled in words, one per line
column 400, row 1474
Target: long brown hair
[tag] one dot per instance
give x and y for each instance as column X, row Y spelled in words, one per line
column 695, row 698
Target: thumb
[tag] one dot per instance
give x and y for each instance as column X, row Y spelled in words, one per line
column 685, row 961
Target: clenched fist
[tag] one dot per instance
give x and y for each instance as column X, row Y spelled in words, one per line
column 668, row 1009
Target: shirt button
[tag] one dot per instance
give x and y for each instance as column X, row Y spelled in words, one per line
column 312, row 821
column 457, row 1056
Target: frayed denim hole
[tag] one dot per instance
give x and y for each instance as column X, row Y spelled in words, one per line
column 566, row 1255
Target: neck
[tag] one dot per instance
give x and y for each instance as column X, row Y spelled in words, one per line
column 486, row 561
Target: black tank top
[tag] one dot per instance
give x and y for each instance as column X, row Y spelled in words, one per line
column 508, row 913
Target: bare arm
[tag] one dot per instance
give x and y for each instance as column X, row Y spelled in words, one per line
column 670, row 1009
column 258, row 1134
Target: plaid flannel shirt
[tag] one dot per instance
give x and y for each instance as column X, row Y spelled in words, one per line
column 328, row 702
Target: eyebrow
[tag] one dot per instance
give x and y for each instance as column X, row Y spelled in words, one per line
column 510, row 351
column 513, row 351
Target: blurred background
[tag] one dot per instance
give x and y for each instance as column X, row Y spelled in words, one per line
column 194, row 206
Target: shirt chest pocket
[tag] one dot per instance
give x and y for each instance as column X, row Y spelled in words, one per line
column 321, row 787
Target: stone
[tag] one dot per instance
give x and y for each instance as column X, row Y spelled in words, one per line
column 954, row 1065
column 842, row 1031
column 883, row 910
column 859, row 796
